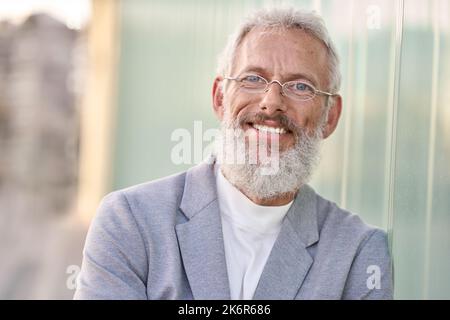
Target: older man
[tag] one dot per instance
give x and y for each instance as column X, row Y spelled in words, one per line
column 232, row 229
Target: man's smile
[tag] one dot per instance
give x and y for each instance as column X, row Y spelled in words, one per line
column 270, row 130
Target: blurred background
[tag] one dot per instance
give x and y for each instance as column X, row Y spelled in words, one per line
column 92, row 90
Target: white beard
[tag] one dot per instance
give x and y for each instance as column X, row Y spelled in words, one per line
column 294, row 166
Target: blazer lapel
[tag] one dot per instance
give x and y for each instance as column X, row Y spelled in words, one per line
column 289, row 260
column 201, row 238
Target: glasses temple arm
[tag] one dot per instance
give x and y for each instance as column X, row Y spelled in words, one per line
column 326, row 93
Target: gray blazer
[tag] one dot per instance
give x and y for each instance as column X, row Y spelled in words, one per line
column 163, row 240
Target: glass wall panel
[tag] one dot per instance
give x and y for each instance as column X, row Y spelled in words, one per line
column 421, row 239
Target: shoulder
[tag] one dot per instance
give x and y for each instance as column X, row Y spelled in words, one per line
column 359, row 250
column 160, row 192
column 166, row 191
column 346, row 228
column 151, row 199
column 117, row 247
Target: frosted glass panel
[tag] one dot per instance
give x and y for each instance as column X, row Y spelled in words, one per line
column 421, row 239
column 356, row 159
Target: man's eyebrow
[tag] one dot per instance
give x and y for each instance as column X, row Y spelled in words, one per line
column 255, row 69
column 306, row 76
column 288, row 77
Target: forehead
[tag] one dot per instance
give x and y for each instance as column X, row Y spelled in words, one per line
column 283, row 53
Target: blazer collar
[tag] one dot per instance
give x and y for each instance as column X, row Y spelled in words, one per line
column 201, row 238
column 201, row 241
column 199, row 188
column 289, row 261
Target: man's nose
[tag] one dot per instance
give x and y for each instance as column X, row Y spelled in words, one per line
column 272, row 101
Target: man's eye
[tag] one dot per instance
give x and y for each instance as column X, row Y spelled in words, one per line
column 302, row 87
column 253, row 79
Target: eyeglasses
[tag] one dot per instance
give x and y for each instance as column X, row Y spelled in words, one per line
column 297, row 90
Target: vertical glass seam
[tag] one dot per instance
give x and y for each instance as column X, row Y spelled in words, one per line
column 389, row 120
column 431, row 144
column 347, row 131
column 395, row 103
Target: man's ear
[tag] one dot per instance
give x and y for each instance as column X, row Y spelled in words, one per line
column 333, row 116
column 217, row 95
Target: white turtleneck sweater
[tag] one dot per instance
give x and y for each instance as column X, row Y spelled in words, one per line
column 249, row 232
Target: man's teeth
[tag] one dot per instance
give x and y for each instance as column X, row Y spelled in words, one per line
column 269, row 129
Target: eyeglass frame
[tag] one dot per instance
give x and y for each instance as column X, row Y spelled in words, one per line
column 282, row 85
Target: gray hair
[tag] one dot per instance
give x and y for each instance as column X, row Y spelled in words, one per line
column 310, row 22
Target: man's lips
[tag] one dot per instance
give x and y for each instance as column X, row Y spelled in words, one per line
column 268, row 126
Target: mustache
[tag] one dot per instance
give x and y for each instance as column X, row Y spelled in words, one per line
column 282, row 119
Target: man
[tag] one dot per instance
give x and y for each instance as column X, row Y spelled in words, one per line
column 234, row 229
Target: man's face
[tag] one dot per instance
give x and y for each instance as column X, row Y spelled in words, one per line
column 283, row 55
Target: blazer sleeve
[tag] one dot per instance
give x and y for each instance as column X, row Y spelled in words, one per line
column 371, row 273
column 115, row 263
